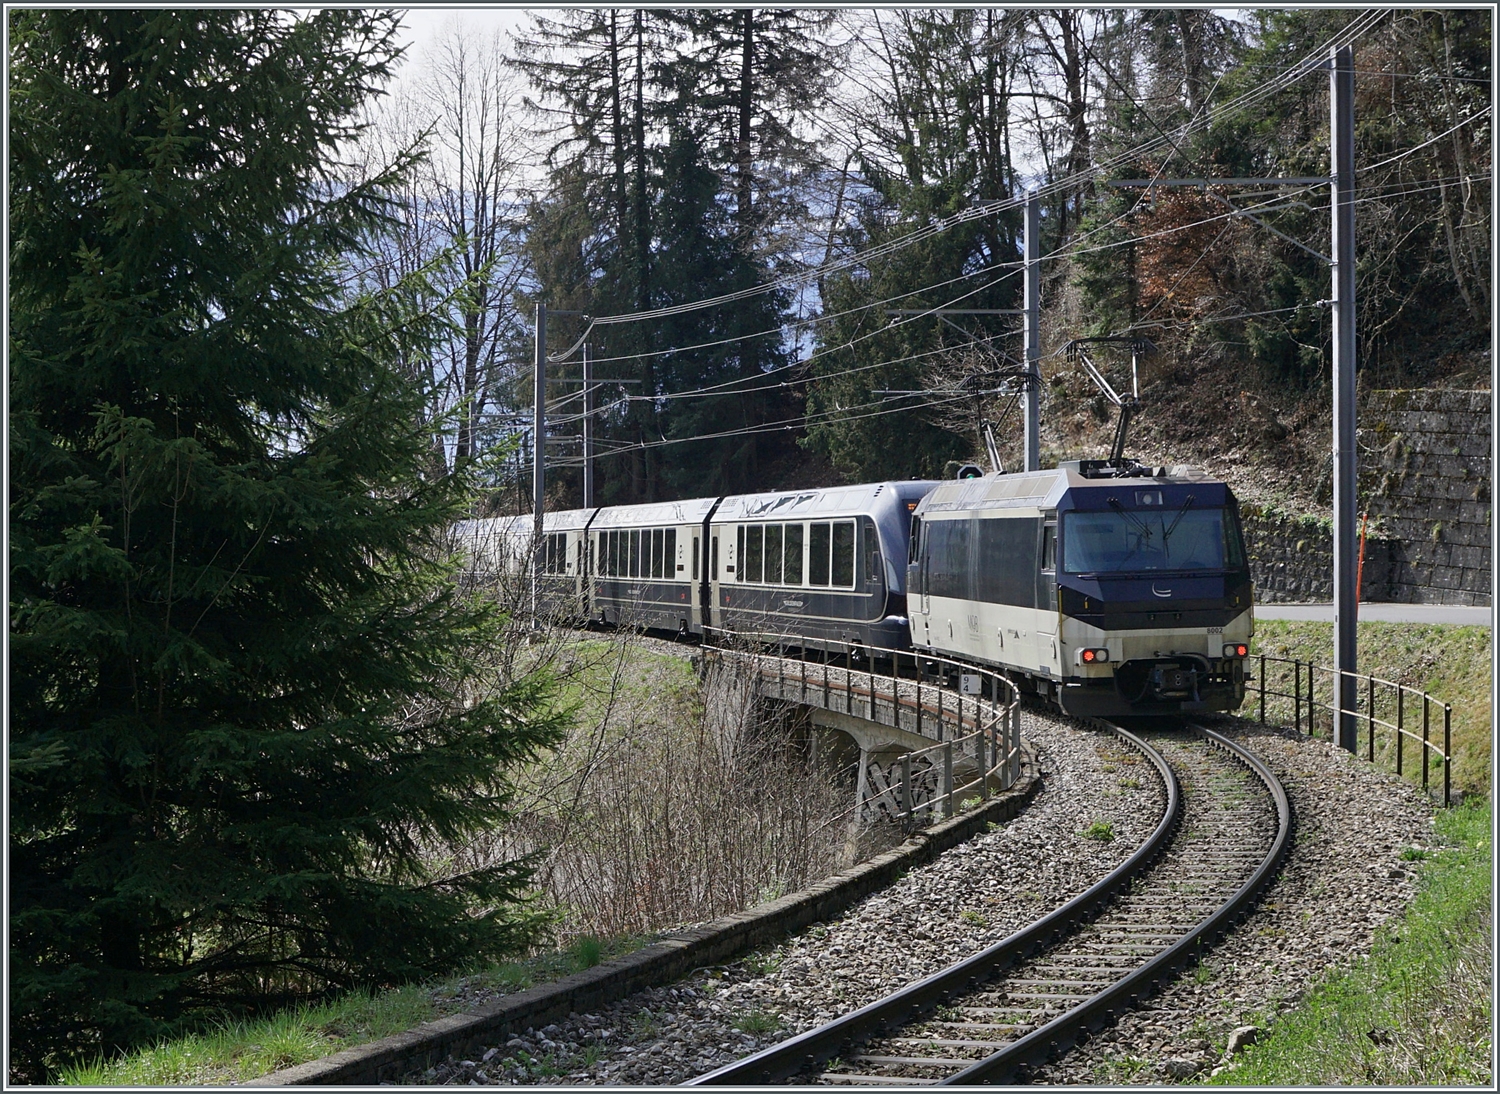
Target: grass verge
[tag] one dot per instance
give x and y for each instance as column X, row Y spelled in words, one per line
column 1452, row 663
column 238, row 1051
column 1417, row 1010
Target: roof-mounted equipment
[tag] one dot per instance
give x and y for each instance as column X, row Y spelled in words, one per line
column 1126, row 404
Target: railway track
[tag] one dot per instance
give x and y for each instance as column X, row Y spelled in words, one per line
column 1049, row 986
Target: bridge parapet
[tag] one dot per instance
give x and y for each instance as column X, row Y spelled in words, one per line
column 972, row 715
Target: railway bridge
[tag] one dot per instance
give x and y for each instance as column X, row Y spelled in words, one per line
column 931, row 732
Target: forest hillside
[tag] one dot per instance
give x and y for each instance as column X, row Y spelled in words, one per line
column 789, row 241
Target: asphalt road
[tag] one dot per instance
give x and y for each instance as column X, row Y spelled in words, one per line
column 1384, row 613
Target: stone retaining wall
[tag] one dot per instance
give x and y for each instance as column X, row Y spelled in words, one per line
column 1425, row 468
column 1424, row 479
column 1291, row 558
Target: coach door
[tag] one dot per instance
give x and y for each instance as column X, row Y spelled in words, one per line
column 1046, row 598
column 916, row 582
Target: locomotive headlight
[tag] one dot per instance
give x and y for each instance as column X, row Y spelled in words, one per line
column 1237, row 650
column 1093, row 656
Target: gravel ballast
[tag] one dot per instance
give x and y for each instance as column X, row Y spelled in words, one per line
column 1344, row 877
column 970, row 897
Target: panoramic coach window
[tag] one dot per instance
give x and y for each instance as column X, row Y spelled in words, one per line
column 817, row 554
column 750, row 556
column 773, row 554
column 658, row 553
column 791, row 558
column 830, row 554
column 555, row 553
column 669, row 565
column 754, row 556
column 843, row 553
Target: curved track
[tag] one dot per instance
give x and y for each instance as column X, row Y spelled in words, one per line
column 1037, row 993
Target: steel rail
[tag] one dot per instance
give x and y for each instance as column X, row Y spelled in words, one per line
column 906, row 1007
column 1063, row 1032
column 815, row 1046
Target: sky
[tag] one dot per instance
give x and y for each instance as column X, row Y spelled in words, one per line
column 421, row 25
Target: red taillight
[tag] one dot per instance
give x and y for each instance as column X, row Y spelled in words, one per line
column 1088, row 657
column 1237, row 650
column 1094, row 656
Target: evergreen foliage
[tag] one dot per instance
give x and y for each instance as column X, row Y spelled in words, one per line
column 942, row 146
column 673, row 168
column 249, row 707
column 698, row 256
column 1423, row 292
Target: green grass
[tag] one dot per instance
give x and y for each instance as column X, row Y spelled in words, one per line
column 587, row 952
column 238, row 1051
column 1417, row 1010
column 1452, row 663
column 757, row 1023
column 1103, row 831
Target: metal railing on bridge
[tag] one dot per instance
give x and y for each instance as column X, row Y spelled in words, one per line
column 972, row 713
column 1303, row 706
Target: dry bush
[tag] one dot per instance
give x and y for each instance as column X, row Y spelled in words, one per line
column 685, row 803
column 675, row 798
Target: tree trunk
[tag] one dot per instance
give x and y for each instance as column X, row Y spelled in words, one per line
column 743, row 158
column 617, row 124
column 645, row 429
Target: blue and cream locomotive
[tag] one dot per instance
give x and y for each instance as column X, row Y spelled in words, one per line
column 1107, row 589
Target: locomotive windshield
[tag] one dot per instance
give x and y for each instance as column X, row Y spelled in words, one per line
column 1124, row 540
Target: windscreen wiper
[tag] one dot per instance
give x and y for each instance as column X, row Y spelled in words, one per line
column 1145, row 528
column 1167, row 532
column 1130, row 516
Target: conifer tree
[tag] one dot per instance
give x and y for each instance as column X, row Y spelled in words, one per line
column 698, row 256
column 248, row 705
column 935, row 140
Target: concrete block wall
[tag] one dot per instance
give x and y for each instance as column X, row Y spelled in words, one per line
column 1425, row 470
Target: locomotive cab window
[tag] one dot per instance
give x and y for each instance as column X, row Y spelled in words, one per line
column 1049, row 548
column 1170, row 537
